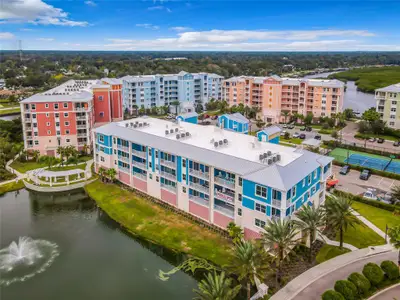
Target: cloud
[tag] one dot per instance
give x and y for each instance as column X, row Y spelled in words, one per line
column 35, row 12
column 159, row 7
column 91, row 3
column 180, row 28
column 26, row 29
column 45, row 39
column 148, row 26
column 6, row 35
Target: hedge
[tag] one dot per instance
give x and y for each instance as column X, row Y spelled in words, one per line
column 361, row 282
column 347, row 289
column 373, row 273
column 332, row 295
column 375, row 203
column 373, row 171
column 391, row 269
column 332, row 144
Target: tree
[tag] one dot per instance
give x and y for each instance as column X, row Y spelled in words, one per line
column 199, row 108
column 339, row 215
column 51, row 160
column 378, row 126
column 61, row 152
column 395, row 193
column 260, row 123
column 235, row 232
column 216, row 287
column 394, row 235
column 334, row 134
column 287, row 135
column 308, row 118
column 35, row 155
column 102, row 173
column 285, row 114
column 136, row 108
column 85, row 148
column 154, row 110
column 247, row 111
column 348, row 114
column 370, row 115
column 363, row 126
column 222, row 105
column 310, row 220
column 279, row 238
column 176, row 104
column 249, row 262
column 111, row 173
column 141, row 110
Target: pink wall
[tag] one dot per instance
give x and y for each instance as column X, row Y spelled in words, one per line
column 199, row 210
column 168, row 197
column 140, row 184
column 101, row 106
column 221, row 220
column 250, row 234
column 123, row 177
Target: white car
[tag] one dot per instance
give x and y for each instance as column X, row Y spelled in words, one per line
column 296, row 135
column 283, row 132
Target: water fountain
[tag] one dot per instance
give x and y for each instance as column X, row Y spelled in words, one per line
column 24, row 259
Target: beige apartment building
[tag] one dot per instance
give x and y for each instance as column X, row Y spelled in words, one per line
column 388, row 105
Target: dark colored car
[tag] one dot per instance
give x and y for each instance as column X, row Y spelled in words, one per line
column 302, row 136
column 302, row 129
column 344, row 170
column 317, row 137
column 214, row 117
column 365, row 174
column 396, row 144
column 308, row 129
column 290, row 126
column 380, row 140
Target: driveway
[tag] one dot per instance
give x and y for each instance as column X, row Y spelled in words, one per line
column 353, row 184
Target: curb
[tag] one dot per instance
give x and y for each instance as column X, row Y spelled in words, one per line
column 381, row 292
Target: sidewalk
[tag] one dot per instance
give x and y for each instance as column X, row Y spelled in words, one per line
column 326, row 240
column 369, row 224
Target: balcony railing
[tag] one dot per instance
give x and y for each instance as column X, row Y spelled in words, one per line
column 229, row 197
column 199, row 200
column 123, row 158
column 123, row 169
column 139, row 164
column 81, row 109
column 225, row 182
column 81, row 118
column 168, row 187
column 82, row 134
column 123, row 148
column 225, row 211
column 81, row 126
column 140, row 176
column 276, row 203
column 168, row 163
column 168, row 175
column 199, row 174
column 139, row 153
column 199, row 187
column 27, row 120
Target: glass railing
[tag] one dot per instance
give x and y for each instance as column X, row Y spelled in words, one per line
column 223, row 181
column 140, row 176
column 123, row 169
column 168, row 175
column 123, row 158
column 199, row 200
column 199, row 187
column 168, row 187
column 225, row 196
column 224, row 210
column 139, row 164
column 123, row 148
column 199, row 173
column 168, row 163
column 138, row 153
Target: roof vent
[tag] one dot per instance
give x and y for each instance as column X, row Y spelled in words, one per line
column 135, row 125
column 269, row 153
column 215, row 144
column 182, row 134
column 274, row 159
column 261, row 157
column 278, row 157
column 187, row 133
column 269, row 161
column 166, row 132
column 176, row 129
column 225, row 141
column 221, row 143
column 178, row 136
column 131, row 124
column 171, row 131
column 145, row 124
column 265, row 155
column 126, row 125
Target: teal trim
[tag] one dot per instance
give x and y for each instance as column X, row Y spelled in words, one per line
column 179, row 168
column 248, row 203
column 153, row 165
column 187, row 171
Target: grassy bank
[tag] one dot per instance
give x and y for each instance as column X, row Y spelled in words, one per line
column 164, row 227
column 361, row 236
column 24, row 167
column 9, row 111
column 327, row 252
column 9, row 187
column 369, row 79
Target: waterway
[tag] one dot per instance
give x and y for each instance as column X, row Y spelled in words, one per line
column 354, row 99
column 97, row 260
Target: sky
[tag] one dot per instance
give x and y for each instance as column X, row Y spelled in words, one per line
column 215, row 25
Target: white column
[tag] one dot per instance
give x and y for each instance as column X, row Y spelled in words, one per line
column 211, row 200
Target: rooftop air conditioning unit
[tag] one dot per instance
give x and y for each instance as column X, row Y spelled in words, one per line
column 131, row 124
column 265, row 154
column 269, row 161
column 166, row 132
column 261, row 157
column 134, row 125
column 171, row 131
column 187, row 133
column 225, row 141
column 178, row 136
column 274, row 159
column 215, row 144
column 221, row 143
column 278, row 157
column 176, row 129
column 269, row 153
column 182, row 134
column 140, row 124
column 126, row 125
column 144, row 123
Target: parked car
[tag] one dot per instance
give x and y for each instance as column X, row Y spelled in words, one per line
column 284, row 126
column 380, row 140
column 317, row 137
column 291, row 126
column 372, row 140
column 302, row 129
column 344, row 170
column 308, row 128
column 296, row 135
column 283, row 132
column 365, row 174
column 214, row 117
column 396, row 144
column 205, row 116
column 302, row 136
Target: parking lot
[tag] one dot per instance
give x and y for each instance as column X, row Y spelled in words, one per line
column 353, row 184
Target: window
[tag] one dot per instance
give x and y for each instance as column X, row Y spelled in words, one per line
column 33, row 116
column 57, row 115
column 66, row 123
column 101, row 138
column 66, row 131
column 35, row 133
column 36, row 143
column 151, row 176
column 239, row 211
column 184, row 189
column 149, row 151
column 58, row 132
column 114, row 141
column 294, row 191
column 47, row 123
column 309, row 179
column 184, row 177
column 261, row 208
column 183, row 162
column 261, row 191
column 100, row 98
column 240, row 181
column 259, row 223
column 49, row 132
column 149, row 164
column 240, row 197
column 315, row 174
column 313, row 190
column 47, row 115
column 34, row 107
column 66, row 115
column 101, row 114
column 68, row 140
column 115, row 151
column 65, row 105
column 55, row 105
column 157, row 178
column 102, row 159
column 277, row 195
column 304, row 182
column 115, row 162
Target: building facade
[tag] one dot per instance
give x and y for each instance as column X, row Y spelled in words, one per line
column 234, row 122
column 65, row 115
column 277, row 97
column 159, row 90
column 388, row 105
column 216, row 175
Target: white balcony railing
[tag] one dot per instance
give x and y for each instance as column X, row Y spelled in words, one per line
column 224, row 210
column 225, row 182
column 139, row 164
column 83, row 118
column 199, row 187
column 199, row 200
column 81, row 126
column 139, row 153
column 123, row 148
column 229, row 197
column 276, row 203
column 82, row 134
column 140, row 176
column 123, row 158
column 168, row 175
column 123, row 169
column 168, row 163
column 168, row 187
column 199, row 174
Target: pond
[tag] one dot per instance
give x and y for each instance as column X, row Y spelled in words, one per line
column 93, row 257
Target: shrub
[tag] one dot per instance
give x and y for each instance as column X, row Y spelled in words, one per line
column 391, row 269
column 378, row 204
column 347, row 289
column 373, row 273
column 361, row 282
column 332, row 295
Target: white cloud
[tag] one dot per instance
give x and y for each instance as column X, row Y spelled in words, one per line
column 6, row 35
column 91, row 3
column 159, row 7
column 45, row 39
column 180, row 28
column 36, row 12
column 26, row 29
column 148, row 26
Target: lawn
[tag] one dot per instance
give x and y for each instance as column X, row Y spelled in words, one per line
column 24, row 167
column 327, row 252
column 340, row 154
column 378, row 216
column 9, row 187
column 10, row 111
column 361, row 237
column 153, row 222
column 69, row 167
column 296, row 141
column 370, row 135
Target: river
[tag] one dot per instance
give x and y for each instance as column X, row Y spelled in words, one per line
column 354, row 99
column 97, row 260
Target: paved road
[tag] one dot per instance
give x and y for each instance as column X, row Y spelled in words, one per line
column 326, row 282
column 389, row 294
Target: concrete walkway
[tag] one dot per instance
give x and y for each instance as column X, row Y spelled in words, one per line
column 369, row 224
column 326, row 240
column 390, row 293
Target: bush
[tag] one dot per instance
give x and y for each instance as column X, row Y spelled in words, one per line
column 332, row 295
column 378, row 204
column 361, row 282
column 391, row 269
column 373, row 273
column 347, row 289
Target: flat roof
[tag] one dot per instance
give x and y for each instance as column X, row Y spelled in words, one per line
column 240, row 155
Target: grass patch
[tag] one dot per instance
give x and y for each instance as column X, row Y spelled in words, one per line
column 361, row 237
column 372, row 135
column 67, row 168
column 328, row 251
column 24, row 167
column 10, row 111
column 379, row 217
column 296, row 141
column 164, row 227
column 13, row 186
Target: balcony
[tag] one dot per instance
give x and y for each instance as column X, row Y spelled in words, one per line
column 139, row 164
column 140, row 176
column 168, row 163
column 224, row 210
column 123, row 158
column 199, row 174
column 199, row 187
column 81, row 109
column 199, row 200
column 226, row 196
column 123, row 169
column 29, row 137
column 168, row 175
column 81, row 126
column 123, row 148
column 276, row 203
column 79, row 134
column 139, row 153
column 28, row 128
column 168, row 187
column 83, row 118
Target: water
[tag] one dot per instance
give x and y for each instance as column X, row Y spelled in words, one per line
column 354, row 99
column 95, row 258
column 11, row 117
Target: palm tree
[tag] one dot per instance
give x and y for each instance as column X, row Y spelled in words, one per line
column 395, row 193
column 279, row 238
column 85, row 148
column 223, row 105
column 136, row 108
column 285, row 114
column 235, row 232
column 216, row 287
column 394, row 234
column 339, row 215
column 61, row 152
column 35, row 155
column 247, row 111
column 102, row 173
column 176, row 104
column 249, row 262
column 51, row 160
column 310, row 220
column 111, row 173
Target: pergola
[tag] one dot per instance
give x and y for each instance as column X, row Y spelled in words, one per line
column 52, row 176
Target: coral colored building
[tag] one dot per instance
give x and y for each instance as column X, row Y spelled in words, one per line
column 65, row 115
column 275, row 96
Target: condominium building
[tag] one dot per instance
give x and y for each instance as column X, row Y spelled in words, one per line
column 276, row 96
column 388, row 104
column 65, row 115
column 218, row 176
column 159, row 90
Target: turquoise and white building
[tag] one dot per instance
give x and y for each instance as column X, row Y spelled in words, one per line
column 270, row 134
column 216, row 175
column 234, row 122
column 160, row 90
column 190, row 117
